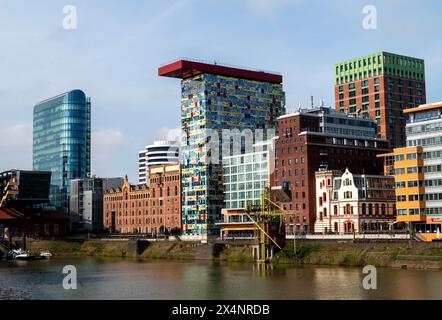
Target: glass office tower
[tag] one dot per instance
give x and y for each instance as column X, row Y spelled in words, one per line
column 62, row 142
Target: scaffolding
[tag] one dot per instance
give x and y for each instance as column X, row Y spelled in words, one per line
column 268, row 218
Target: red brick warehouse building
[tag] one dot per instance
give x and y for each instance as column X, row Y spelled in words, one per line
column 146, row 209
column 380, row 86
column 321, row 138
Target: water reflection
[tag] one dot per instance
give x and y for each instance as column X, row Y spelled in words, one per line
column 134, row 279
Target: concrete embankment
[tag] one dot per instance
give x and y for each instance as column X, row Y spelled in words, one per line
column 413, row 255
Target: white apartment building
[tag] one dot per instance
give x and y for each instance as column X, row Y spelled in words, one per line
column 350, row 203
column 160, row 152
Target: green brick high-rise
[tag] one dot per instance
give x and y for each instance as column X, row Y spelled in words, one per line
column 380, row 86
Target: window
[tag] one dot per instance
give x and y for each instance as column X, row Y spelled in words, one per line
column 413, row 170
column 400, row 184
column 46, row 229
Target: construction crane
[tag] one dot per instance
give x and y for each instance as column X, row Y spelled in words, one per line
column 268, row 218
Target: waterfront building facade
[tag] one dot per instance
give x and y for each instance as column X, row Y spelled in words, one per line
column 62, row 142
column 380, row 86
column 21, row 194
column 215, row 98
column 86, row 202
column 21, row 188
column 354, row 203
column 146, row 209
column 158, row 153
column 246, row 176
column 314, row 139
column 417, row 171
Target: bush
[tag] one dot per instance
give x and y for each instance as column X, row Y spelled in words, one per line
column 302, row 251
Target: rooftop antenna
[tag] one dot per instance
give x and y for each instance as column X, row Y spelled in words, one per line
column 322, row 102
column 312, row 101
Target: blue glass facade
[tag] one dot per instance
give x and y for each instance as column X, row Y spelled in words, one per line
column 61, row 144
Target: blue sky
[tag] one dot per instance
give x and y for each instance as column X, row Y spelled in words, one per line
column 115, row 52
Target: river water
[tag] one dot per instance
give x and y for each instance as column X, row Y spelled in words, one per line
column 159, row 279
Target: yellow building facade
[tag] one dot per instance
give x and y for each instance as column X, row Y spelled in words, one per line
column 417, row 169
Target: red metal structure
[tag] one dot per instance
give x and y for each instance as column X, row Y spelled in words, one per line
column 183, row 69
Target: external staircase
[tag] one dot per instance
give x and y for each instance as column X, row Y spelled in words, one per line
column 10, row 191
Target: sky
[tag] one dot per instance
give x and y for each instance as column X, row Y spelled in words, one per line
column 114, row 53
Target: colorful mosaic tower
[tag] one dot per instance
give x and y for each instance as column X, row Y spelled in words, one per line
column 215, row 98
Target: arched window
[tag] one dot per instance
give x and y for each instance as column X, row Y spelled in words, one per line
column 383, row 209
column 376, row 208
column 370, row 209
column 364, row 209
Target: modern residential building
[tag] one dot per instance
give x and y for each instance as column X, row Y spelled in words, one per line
column 417, row 171
column 354, row 203
column 380, row 86
column 86, row 202
column 320, row 138
column 158, row 153
column 146, row 209
column 246, row 176
column 214, row 98
column 62, row 142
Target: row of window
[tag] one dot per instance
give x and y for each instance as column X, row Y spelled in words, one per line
column 369, row 209
column 425, row 142
column 420, row 211
column 142, row 213
column 408, row 170
column 412, row 211
column 420, row 197
column 408, row 156
column 141, row 221
column 136, row 204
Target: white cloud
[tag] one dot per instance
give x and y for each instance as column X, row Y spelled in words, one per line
column 168, row 134
column 16, row 147
column 106, row 143
column 19, row 135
